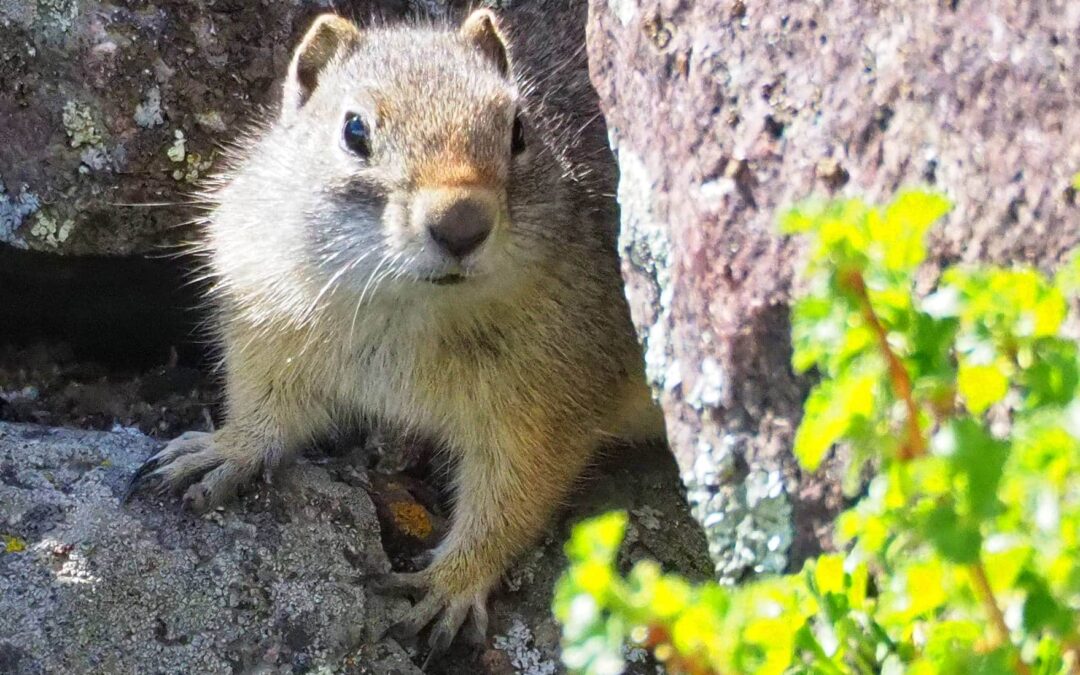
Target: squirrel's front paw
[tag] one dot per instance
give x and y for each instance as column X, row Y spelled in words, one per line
column 447, row 609
column 194, row 461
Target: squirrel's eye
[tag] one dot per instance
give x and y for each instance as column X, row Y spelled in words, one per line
column 355, row 135
column 517, row 137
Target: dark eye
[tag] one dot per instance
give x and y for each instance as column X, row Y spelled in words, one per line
column 355, row 136
column 517, row 137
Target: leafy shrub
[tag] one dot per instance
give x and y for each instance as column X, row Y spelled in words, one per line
column 963, row 408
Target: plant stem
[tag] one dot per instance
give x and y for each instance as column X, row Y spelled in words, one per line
column 657, row 636
column 993, row 610
column 914, row 444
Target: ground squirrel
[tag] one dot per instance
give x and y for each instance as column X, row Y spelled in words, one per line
column 425, row 235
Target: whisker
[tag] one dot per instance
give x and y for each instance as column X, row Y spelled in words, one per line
column 329, row 284
column 360, row 299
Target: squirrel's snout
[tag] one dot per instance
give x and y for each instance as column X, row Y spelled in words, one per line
column 461, row 228
column 457, row 220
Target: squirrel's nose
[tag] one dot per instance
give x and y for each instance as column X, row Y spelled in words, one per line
column 461, row 226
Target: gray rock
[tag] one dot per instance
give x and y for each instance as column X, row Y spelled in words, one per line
column 90, row 585
column 94, row 94
column 273, row 583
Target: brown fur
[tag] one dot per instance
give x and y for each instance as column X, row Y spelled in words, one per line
column 327, row 313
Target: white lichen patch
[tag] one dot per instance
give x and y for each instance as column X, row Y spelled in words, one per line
column 81, row 130
column 49, row 230
column 58, row 14
column 747, row 523
column 644, row 243
column 14, row 209
column 624, row 10
column 526, row 658
column 178, row 150
column 148, row 114
column 523, row 572
column 650, row 518
column 640, row 656
column 17, row 395
column 68, row 563
column 94, row 158
column 193, row 166
column 708, row 387
column 210, row 120
column 79, row 125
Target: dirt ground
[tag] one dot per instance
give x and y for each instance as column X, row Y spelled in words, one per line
column 46, row 384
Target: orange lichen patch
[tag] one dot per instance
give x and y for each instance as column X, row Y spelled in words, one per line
column 412, row 519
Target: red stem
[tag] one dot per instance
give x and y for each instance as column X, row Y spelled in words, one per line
column 914, row 444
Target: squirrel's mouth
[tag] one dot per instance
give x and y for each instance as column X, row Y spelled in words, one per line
column 447, row 279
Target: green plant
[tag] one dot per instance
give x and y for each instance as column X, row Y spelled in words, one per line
column 963, row 406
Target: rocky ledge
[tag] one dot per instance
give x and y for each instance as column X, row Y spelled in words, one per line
column 273, row 584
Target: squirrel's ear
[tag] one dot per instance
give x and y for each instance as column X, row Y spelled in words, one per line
column 328, row 36
column 482, row 31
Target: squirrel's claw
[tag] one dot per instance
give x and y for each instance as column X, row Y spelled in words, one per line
column 416, row 618
column 445, row 630
column 158, row 474
column 150, row 474
column 194, row 464
column 142, row 478
column 410, row 584
column 447, row 612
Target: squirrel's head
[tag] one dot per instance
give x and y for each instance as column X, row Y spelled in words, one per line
column 412, row 155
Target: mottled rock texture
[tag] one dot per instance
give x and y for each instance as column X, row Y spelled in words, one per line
column 111, row 111
column 723, row 112
column 88, row 585
column 275, row 583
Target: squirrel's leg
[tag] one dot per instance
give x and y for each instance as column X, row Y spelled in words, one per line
column 265, row 424
column 503, row 501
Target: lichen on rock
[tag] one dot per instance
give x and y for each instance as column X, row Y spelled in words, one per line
column 79, row 125
column 262, row 586
column 149, row 114
column 49, row 229
column 14, row 209
column 724, row 116
column 517, row 643
column 645, row 249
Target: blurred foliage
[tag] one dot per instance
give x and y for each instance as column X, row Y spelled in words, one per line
column 960, row 415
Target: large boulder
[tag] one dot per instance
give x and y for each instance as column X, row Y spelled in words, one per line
column 111, row 112
column 724, row 112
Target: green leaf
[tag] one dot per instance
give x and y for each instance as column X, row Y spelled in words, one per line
column 925, row 587
column 1067, row 278
column 1049, row 312
column 829, row 412
column 904, row 227
column 597, row 539
column 981, row 385
column 829, row 574
column 1042, row 610
column 955, row 539
column 1054, row 375
column 796, row 221
column 978, row 458
column 895, row 599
